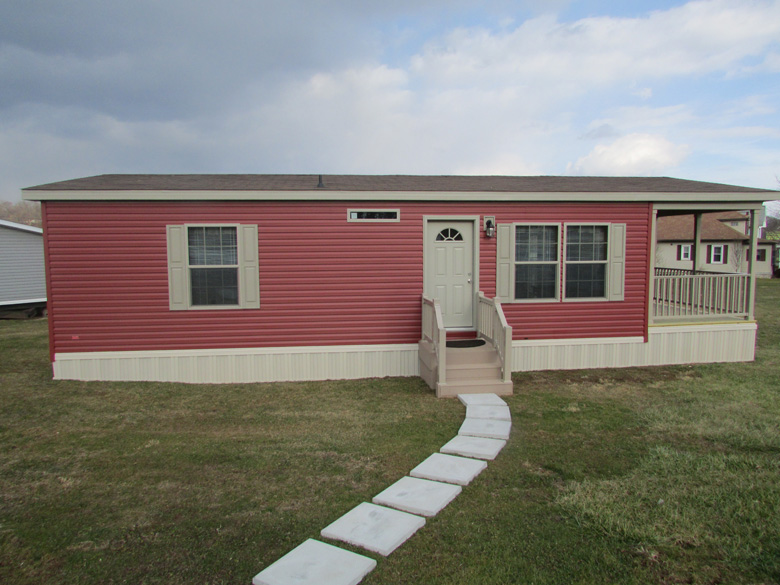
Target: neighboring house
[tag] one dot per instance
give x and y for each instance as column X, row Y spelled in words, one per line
column 22, row 277
column 725, row 244
column 255, row 278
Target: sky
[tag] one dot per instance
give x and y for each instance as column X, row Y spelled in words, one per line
column 554, row 87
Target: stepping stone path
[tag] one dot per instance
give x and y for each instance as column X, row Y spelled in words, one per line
column 448, row 468
column 374, row 528
column 399, row 511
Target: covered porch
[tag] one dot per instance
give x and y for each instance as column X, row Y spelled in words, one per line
column 695, row 294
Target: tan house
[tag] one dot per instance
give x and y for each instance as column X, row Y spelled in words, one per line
column 724, row 244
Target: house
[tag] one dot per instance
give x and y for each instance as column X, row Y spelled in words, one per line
column 256, row 278
column 725, row 239
column 22, row 278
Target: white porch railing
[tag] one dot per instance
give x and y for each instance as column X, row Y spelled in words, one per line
column 492, row 325
column 680, row 293
column 433, row 331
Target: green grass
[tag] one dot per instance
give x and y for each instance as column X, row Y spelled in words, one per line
column 640, row 475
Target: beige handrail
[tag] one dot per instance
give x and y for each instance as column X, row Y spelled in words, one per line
column 434, row 332
column 492, row 325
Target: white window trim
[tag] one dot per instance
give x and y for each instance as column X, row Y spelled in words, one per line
column 363, row 210
column 721, row 248
column 179, row 285
column 557, row 263
column 685, row 251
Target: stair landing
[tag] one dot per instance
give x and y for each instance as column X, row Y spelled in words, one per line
column 470, row 370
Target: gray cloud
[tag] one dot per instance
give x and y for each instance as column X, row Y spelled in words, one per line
column 424, row 86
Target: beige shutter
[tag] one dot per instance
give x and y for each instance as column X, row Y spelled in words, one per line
column 249, row 277
column 505, row 248
column 617, row 262
column 178, row 287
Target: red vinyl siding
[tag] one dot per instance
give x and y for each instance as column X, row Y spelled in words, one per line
column 323, row 280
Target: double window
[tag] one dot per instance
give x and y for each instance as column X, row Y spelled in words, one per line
column 213, row 266
column 552, row 262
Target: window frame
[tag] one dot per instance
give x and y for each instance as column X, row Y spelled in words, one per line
column 615, row 273
column 180, row 275
column 396, row 219
column 557, row 263
column 566, row 262
column 760, row 254
column 723, row 254
column 684, row 252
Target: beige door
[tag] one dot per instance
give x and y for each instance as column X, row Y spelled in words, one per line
column 449, row 271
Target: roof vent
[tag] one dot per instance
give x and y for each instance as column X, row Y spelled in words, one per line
column 320, row 184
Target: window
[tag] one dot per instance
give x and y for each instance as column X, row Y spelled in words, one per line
column 586, row 261
column 449, row 235
column 533, row 259
column 760, row 255
column 717, row 254
column 213, row 261
column 373, row 215
column 212, row 266
column 684, row 252
column 536, row 262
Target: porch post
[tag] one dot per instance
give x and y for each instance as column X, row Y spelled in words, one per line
column 697, row 242
column 752, row 265
column 651, row 281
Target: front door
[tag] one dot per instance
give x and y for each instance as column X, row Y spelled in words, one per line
column 449, row 273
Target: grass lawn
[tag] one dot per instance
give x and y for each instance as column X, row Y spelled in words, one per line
column 642, row 475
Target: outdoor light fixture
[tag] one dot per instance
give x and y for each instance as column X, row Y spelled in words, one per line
column 490, row 227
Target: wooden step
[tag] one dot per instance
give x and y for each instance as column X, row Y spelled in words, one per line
column 483, row 354
column 450, row 389
column 478, row 371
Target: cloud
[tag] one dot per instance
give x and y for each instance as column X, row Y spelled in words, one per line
column 368, row 86
column 632, row 155
column 696, row 38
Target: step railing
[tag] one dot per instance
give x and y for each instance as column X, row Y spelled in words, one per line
column 492, row 326
column 700, row 296
column 433, row 331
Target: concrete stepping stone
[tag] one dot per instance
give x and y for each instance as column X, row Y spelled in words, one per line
column 481, row 400
column 418, row 496
column 316, row 563
column 375, row 528
column 488, row 411
column 449, row 469
column 478, row 447
column 485, row 427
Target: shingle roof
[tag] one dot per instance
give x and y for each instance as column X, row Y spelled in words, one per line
column 729, row 216
column 679, row 228
column 528, row 184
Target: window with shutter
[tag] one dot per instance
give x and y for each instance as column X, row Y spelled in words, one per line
column 213, row 266
column 530, row 256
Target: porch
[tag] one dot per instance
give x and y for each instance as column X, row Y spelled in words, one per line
column 693, row 294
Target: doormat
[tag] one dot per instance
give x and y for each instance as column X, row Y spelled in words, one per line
column 466, row 343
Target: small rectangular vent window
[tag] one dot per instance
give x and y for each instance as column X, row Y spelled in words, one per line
column 373, row 215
